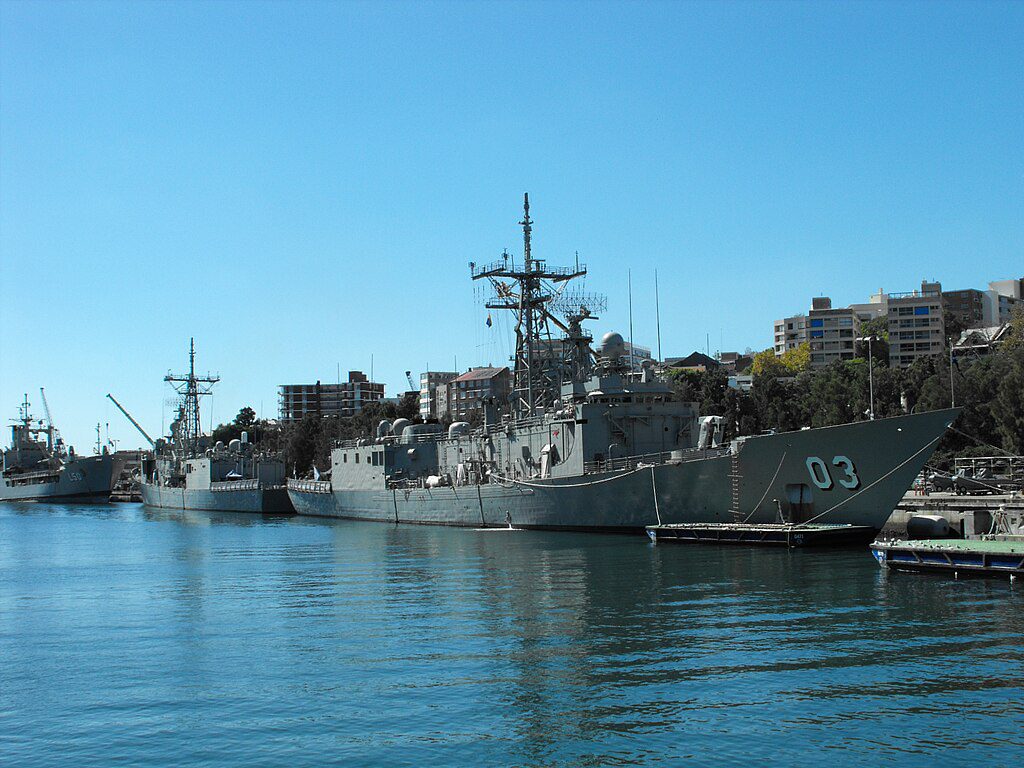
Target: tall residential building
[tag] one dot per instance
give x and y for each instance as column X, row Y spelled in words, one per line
column 967, row 305
column 916, row 328
column 831, row 333
column 346, row 399
column 790, row 333
column 466, row 394
column 433, row 384
column 1003, row 296
column 636, row 354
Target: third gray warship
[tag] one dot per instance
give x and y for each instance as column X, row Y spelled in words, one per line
column 191, row 472
column 589, row 443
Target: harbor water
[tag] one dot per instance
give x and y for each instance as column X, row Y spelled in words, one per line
column 166, row 638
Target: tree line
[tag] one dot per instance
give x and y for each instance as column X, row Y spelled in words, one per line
column 786, row 396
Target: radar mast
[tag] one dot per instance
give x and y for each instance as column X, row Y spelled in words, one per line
column 186, row 430
column 534, row 292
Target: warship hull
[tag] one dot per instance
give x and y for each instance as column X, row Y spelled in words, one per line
column 85, row 480
column 258, row 500
column 854, row 473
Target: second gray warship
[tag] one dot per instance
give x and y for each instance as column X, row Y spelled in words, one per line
column 190, row 472
column 589, row 443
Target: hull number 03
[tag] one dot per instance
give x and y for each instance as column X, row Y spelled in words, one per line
column 822, row 477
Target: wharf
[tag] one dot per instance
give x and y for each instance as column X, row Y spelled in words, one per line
column 953, row 508
column 986, row 557
column 763, row 534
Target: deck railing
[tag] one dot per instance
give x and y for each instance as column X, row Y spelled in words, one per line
column 309, row 486
column 236, row 485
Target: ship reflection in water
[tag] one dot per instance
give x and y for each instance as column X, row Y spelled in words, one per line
column 154, row 637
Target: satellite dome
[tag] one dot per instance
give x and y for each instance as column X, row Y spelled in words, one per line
column 612, row 346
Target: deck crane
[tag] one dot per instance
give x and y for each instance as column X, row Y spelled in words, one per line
column 133, row 421
column 408, row 377
column 50, row 431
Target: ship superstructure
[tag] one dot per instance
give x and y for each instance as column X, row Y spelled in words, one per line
column 587, row 442
column 189, row 471
column 39, row 466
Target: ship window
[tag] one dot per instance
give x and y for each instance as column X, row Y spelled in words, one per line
column 344, row 458
column 357, row 458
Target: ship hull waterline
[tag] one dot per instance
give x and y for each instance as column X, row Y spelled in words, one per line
column 256, row 500
column 853, row 473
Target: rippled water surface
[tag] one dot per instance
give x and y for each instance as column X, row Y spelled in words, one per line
column 143, row 638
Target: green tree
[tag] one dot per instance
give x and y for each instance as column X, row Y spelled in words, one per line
column 877, row 327
column 797, row 359
column 1009, row 403
column 245, row 421
column 765, row 362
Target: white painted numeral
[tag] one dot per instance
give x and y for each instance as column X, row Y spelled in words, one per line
column 819, row 472
column 851, row 480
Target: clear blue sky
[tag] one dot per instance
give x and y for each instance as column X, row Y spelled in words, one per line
column 303, row 185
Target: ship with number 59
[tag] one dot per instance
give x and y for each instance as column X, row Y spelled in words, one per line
column 587, row 442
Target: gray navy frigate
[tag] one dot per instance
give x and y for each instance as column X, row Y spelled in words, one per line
column 589, row 443
column 191, row 472
column 38, row 466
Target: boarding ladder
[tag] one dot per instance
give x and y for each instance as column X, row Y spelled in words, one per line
column 734, row 481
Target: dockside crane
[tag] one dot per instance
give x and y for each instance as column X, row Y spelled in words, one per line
column 408, row 377
column 132, row 420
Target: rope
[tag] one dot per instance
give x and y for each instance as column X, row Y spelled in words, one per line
column 513, row 481
column 654, row 489
column 868, row 487
column 982, row 442
column 766, row 488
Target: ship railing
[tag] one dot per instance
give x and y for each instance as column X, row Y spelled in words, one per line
column 33, row 478
column 390, row 440
column 309, row 486
column 235, row 485
column 653, row 459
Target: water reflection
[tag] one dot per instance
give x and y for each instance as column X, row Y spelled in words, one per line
column 238, row 638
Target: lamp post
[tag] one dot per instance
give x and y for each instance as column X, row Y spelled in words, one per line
column 871, row 377
column 952, row 394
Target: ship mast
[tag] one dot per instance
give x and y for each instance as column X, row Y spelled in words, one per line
column 529, row 292
column 186, row 430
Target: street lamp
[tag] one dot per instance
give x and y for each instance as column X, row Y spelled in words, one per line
column 871, row 377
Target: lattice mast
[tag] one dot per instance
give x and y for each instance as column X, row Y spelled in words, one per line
column 186, row 430
column 531, row 289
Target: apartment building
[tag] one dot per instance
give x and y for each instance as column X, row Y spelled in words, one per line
column 831, row 333
column 433, row 384
column 790, row 333
column 916, row 328
column 968, row 306
column 1003, row 295
column 466, row 393
column 295, row 401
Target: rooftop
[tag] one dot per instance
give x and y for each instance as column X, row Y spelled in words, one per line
column 480, row 374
